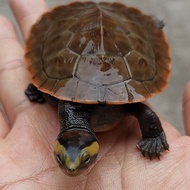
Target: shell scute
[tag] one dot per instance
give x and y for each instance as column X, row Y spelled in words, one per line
column 98, row 52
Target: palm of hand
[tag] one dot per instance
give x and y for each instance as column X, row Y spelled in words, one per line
column 26, row 150
column 27, row 159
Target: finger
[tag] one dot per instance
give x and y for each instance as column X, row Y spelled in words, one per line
column 4, row 127
column 27, row 13
column 186, row 108
column 13, row 77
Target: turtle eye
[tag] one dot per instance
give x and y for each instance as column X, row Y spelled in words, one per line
column 58, row 157
column 86, row 159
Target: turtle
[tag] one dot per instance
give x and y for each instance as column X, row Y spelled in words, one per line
column 98, row 62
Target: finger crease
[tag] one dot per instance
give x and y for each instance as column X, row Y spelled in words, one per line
column 22, row 106
column 11, row 65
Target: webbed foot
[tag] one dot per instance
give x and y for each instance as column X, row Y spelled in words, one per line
column 153, row 146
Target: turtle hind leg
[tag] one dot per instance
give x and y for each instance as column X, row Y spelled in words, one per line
column 160, row 23
column 153, row 137
column 34, row 95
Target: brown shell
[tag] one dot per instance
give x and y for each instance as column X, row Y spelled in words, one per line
column 91, row 53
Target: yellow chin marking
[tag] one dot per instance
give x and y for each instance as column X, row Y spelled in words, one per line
column 58, row 147
column 92, row 149
column 59, row 150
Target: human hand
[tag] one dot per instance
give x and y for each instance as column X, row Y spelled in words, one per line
column 26, row 142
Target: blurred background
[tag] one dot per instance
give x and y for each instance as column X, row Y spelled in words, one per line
column 176, row 15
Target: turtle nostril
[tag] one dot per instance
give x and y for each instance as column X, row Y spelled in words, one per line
column 71, row 169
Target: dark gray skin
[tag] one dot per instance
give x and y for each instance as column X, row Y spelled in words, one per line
column 87, row 115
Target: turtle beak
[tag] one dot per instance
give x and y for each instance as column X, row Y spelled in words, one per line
column 73, row 171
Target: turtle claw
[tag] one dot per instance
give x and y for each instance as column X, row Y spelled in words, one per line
column 158, row 156
column 153, row 146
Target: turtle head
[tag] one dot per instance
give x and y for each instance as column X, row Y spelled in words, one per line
column 75, row 151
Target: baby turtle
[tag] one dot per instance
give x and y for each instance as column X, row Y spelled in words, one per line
column 97, row 62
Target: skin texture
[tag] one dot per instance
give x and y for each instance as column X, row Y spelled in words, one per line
column 26, row 141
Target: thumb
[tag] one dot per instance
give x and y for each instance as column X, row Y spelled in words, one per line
column 186, row 108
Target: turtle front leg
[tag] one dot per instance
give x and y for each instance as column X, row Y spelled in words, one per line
column 153, row 136
column 34, row 95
